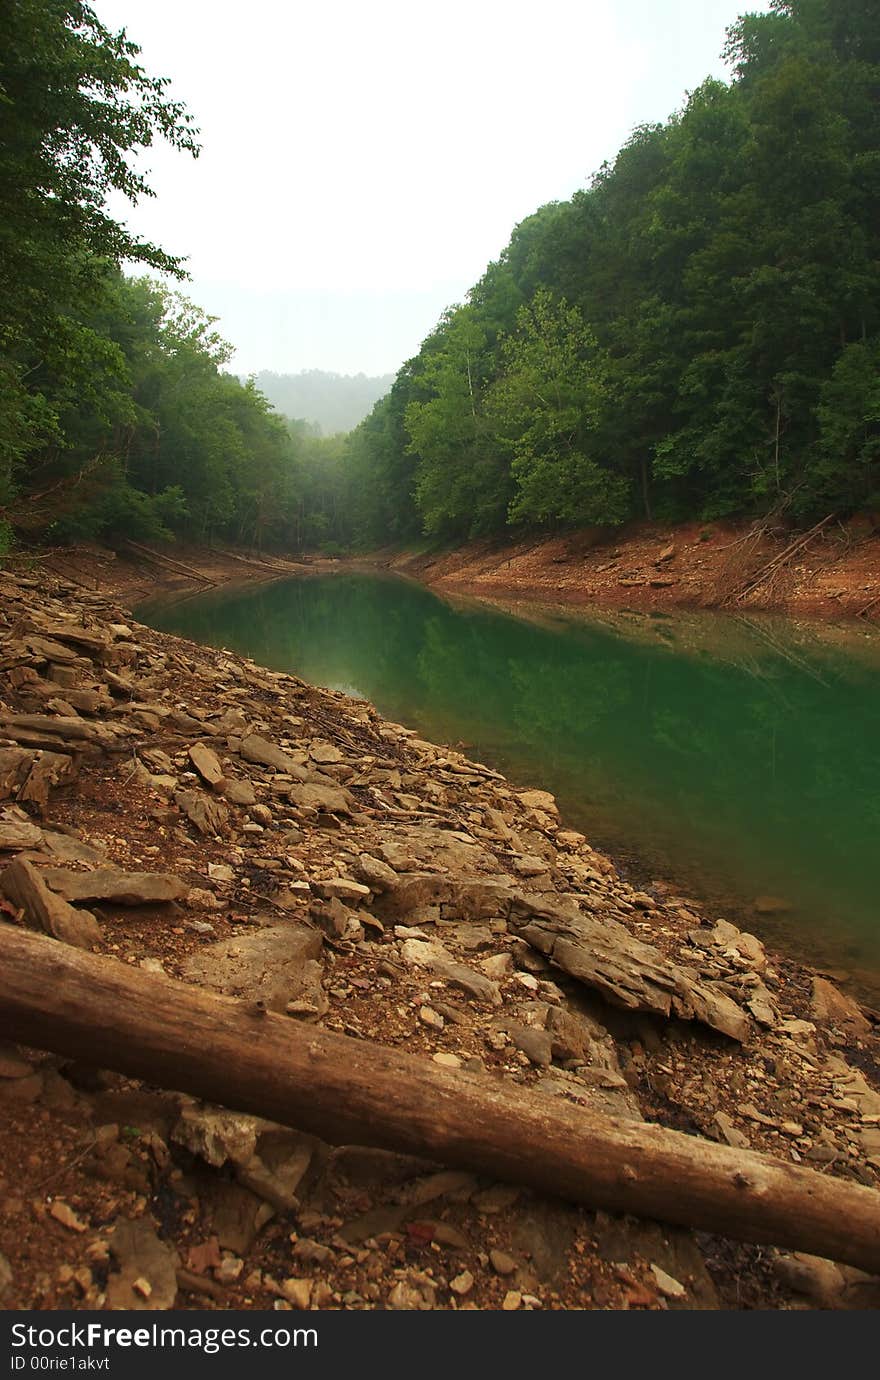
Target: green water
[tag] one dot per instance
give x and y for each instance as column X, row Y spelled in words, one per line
column 734, row 758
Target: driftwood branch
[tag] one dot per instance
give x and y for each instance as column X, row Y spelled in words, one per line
column 350, row 1091
column 773, row 566
column 168, row 561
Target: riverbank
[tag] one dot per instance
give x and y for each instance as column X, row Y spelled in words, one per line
column 136, row 573
column 310, row 857
column 832, row 574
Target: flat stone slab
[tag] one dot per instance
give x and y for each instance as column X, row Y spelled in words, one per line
column 275, row 966
column 111, row 884
column 15, row 837
column 206, row 763
column 626, row 971
column 266, row 754
column 333, row 800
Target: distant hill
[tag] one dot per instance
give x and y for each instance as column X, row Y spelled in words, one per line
column 333, row 402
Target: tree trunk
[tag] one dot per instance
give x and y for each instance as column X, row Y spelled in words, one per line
column 646, row 493
column 353, row 1092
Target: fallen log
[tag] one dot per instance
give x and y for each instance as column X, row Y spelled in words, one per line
column 349, row 1091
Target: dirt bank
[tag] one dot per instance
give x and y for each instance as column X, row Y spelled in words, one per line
column 306, row 856
column 834, row 574
column 136, row 572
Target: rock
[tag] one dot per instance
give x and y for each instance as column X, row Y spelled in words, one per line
column 772, row 905
column 142, row 1260
column 729, row 1132
column 820, row 1279
column 670, row 1288
column 205, row 1256
column 829, row 1004
column 217, row 1135
column 569, row 838
column 275, row 1172
column 197, row 898
column 539, row 800
column 221, row 872
column 14, row 836
column 29, row 775
column 25, row 727
column 256, row 749
column 323, row 752
column 210, row 816
column 332, row 800
column 727, row 936
column 762, row 1008
column 502, row 1263
column 528, row 866
column 6, row 1277
column 666, row 554
column 236, row 1215
column 475, row 985
column 22, row 884
column 448, row 1061
column 498, row 966
column 353, row 893
column 65, row 1214
column 332, row 917
column 111, row 884
column 462, row 1284
column 298, row 1292
column 535, row 1044
column 406, row 1296
column 238, row 792
column 431, row 1018
column 274, row 965
column 206, row 763
column 377, row 875
column 92, row 641
column 570, row 1035
column 626, row 971
column 643, row 901
column 512, row 1301
column 70, row 850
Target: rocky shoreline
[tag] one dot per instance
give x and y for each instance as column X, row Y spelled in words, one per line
column 187, row 812
column 832, row 573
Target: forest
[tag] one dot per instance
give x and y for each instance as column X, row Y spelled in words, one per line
column 694, row 334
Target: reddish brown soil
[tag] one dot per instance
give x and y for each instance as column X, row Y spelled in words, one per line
column 834, row 575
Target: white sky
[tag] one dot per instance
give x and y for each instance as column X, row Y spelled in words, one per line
column 363, row 162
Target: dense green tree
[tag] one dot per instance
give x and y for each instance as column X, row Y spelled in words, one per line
column 74, row 107
column 544, row 409
column 460, row 487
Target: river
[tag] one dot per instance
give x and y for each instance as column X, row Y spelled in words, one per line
column 737, row 759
